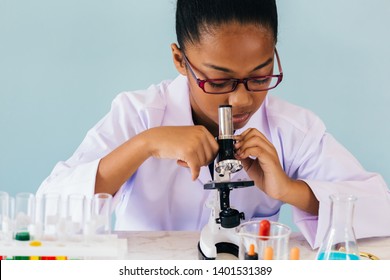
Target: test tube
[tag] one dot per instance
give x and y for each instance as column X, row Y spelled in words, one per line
column 101, row 213
column 50, row 215
column 75, row 216
column 24, row 215
column 4, row 215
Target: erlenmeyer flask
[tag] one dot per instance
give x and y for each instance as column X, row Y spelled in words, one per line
column 340, row 241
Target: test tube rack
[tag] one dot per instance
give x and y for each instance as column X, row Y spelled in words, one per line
column 28, row 232
column 101, row 247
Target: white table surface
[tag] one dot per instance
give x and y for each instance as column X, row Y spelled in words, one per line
column 182, row 245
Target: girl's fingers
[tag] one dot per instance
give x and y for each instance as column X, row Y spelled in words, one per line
column 195, row 170
column 182, row 163
column 257, row 143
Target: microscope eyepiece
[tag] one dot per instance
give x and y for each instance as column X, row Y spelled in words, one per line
column 225, row 121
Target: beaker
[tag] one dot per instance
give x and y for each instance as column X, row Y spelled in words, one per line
column 255, row 244
column 340, row 241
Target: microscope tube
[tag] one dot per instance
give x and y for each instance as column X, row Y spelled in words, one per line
column 226, row 163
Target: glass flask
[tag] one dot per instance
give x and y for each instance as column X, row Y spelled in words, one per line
column 340, row 241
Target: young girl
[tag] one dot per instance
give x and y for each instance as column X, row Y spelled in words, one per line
column 152, row 150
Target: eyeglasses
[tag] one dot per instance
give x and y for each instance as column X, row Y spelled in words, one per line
column 253, row 84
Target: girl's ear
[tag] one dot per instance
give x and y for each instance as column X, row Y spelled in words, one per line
column 178, row 59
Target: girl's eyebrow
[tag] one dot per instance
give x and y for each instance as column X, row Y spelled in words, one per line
column 227, row 70
column 270, row 60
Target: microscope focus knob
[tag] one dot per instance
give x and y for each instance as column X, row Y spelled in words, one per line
column 230, row 218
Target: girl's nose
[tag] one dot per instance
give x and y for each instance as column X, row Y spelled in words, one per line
column 240, row 97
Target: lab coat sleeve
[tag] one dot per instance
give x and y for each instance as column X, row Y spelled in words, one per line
column 329, row 168
column 78, row 173
column 66, row 179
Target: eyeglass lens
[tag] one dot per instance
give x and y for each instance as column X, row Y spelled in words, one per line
column 253, row 84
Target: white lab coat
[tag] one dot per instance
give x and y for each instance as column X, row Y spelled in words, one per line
column 162, row 196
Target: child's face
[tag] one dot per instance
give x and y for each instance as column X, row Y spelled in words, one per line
column 229, row 51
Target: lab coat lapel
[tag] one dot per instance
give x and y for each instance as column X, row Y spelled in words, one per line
column 178, row 113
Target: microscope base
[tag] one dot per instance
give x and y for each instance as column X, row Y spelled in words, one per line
column 215, row 240
column 222, row 247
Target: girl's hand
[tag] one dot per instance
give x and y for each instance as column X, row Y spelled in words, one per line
column 191, row 146
column 261, row 162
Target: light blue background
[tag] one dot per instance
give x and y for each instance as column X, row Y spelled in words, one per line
column 62, row 63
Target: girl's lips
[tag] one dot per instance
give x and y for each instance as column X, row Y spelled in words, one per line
column 240, row 118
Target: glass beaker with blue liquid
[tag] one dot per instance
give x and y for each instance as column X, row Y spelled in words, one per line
column 340, row 241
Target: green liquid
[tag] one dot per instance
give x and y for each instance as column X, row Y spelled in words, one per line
column 23, row 236
column 337, row 256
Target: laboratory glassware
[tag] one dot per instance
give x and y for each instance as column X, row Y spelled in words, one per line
column 50, row 215
column 340, row 241
column 101, row 213
column 5, row 219
column 263, row 244
column 24, row 215
column 75, row 216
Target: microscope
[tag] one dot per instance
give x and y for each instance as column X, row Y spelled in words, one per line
column 219, row 234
